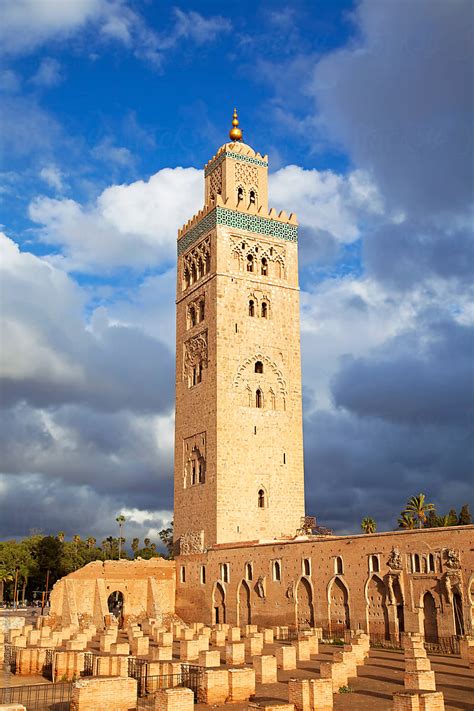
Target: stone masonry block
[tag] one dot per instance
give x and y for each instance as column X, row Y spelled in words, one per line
column 311, row 694
column 235, row 653
column 209, row 659
column 120, row 648
column 432, row 701
column 406, row 702
column 302, row 650
column 420, row 681
column 233, row 634
column 215, row 687
column 139, row 646
column 265, row 669
column 417, row 664
column 241, row 684
column 268, row 636
column 286, row 658
column 218, row 638
column 174, row 700
column 189, row 650
column 336, row 671
column 253, row 646
column 161, row 654
column 104, row 693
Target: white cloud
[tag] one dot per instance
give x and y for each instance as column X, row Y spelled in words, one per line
column 107, row 152
column 131, row 225
column 324, row 200
column 48, row 74
column 52, row 175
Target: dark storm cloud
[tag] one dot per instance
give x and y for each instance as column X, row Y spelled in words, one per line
column 425, row 377
column 404, row 255
column 400, row 100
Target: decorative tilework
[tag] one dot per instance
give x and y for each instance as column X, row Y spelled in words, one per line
column 235, row 156
column 241, row 221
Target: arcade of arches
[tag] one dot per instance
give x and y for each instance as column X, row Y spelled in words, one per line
column 337, row 582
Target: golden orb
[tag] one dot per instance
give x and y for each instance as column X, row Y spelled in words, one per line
column 235, row 133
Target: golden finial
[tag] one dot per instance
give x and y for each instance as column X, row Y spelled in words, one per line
column 235, row 133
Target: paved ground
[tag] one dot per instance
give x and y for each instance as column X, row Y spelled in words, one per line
column 371, row 690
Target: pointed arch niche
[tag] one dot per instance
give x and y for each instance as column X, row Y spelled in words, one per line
column 339, row 612
column 259, row 383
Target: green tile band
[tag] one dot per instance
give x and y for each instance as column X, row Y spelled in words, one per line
column 235, row 156
column 239, row 220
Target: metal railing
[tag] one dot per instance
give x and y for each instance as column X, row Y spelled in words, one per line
column 39, row 697
column 442, row 645
column 190, row 677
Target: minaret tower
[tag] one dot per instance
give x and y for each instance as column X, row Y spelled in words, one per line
column 239, row 441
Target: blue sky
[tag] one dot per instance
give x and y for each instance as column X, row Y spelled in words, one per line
column 110, row 108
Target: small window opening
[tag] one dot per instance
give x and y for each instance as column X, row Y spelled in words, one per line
column 202, row 310
column 252, row 197
column 259, row 366
column 307, row 566
column 187, row 279
column 192, row 316
column 416, row 563
column 374, row 564
column 264, row 268
column 240, row 194
column 284, row 458
column 183, row 574
column 249, row 571
column 203, row 574
column 431, row 563
column 236, row 329
column 338, row 565
column 193, row 273
column 259, row 398
column 276, row 570
column 225, row 572
column 250, row 263
column 261, row 499
column 264, row 309
column 255, row 430
column 251, row 307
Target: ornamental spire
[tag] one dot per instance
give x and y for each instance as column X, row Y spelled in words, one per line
column 235, row 133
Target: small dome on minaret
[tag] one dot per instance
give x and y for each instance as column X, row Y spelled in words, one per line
column 235, row 133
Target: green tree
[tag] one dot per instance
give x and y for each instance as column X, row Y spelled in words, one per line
column 120, row 520
column 406, row 521
column 91, row 541
column 465, row 518
column 61, row 536
column 135, row 546
column 166, row 536
column 418, row 508
column 368, row 525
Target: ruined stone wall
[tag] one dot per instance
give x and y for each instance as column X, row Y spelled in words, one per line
column 383, row 601
column 147, row 586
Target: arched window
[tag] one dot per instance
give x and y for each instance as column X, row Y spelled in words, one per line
column 200, row 268
column 208, row 263
column 416, row 563
column 193, row 473
column 240, row 194
column 193, row 273
column 253, row 197
column 259, row 398
column 276, row 570
column 187, row 278
column 192, row 317
column 261, row 499
column 249, row 571
column 338, row 566
column 307, row 566
column 431, row 563
column 201, row 310
column 200, row 472
column 250, row 262
column 374, row 564
column 259, row 366
column 264, row 267
column 251, row 307
column 264, row 309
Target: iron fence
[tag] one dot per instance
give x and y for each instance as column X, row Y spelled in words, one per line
column 287, row 635
column 190, row 677
column 39, row 697
column 442, row 645
column 88, row 664
column 380, row 639
column 9, row 658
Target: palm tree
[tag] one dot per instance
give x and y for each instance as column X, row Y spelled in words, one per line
column 120, row 520
column 135, row 546
column 91, row 541
column 60, row 536
column 147, row 542
column 5, row 577
column 406, row 521
column 368, row 525
column 418, row 507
